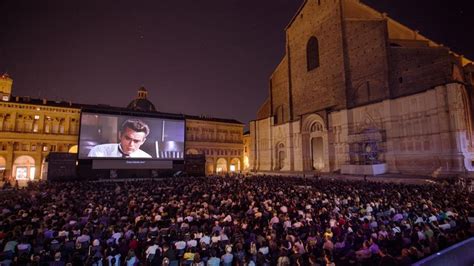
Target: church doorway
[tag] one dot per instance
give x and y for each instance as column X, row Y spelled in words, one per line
column 317, row 152
column 280, row 156
column 221, row 166
column 315, row 144
column 24, row 168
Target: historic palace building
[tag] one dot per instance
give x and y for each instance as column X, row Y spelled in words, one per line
column 220, row 140
column 32, row 128
column 358, row 92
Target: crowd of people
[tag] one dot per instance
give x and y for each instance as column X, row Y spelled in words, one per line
column 264, row 220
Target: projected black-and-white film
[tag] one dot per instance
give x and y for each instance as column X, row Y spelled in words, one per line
column 117, row 136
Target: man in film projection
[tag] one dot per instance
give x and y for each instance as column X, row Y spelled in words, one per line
column 133, row 133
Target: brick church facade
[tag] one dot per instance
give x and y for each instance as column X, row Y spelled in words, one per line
column 358, row 92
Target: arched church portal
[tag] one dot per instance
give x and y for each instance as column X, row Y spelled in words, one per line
column 317, row 152
column 315, row 144
column 280, row 156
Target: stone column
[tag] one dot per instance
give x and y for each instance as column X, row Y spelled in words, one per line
column 9, row 163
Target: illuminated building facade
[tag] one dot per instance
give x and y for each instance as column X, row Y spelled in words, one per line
column 220, row 140
column 32, row 128
column 359, row 93
column 246, row 158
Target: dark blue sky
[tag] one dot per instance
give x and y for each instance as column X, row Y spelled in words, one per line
column 209, row 57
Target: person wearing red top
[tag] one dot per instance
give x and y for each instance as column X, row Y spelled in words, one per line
column 133, row 244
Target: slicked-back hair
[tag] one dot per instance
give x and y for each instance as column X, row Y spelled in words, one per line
column 135, row 125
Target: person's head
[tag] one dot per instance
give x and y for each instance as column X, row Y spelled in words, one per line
column 133, row 134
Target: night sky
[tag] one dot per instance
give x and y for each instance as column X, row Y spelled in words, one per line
column 211, row 57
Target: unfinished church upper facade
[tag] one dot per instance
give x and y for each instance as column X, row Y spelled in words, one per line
column 358, row 92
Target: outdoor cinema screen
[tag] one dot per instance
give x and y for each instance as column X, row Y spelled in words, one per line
column 107, row 136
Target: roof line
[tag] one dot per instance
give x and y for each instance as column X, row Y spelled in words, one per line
column 296, row 14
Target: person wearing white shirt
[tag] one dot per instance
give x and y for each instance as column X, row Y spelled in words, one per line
column 117, row 236
column 180, row 245
column 132, row 135
column 151, row 251
column 191, row 243
column 205, row 239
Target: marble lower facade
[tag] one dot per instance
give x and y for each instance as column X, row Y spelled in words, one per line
column 426, row 133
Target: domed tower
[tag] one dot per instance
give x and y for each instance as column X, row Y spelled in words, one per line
column 141, row 103
column 5, row 87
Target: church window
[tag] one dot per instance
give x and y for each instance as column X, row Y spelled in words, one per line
column 312, row 53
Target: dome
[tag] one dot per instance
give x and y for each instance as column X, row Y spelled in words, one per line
column 141, row 103
column 5, row 76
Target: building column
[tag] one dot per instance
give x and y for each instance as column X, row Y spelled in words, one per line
column 9, row 163
column 215, row 165
column 241, row 162
column 67, row 125
column 38, row 163
column 41, row 124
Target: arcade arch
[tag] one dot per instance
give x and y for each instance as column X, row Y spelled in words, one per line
column 73, row 149
column 3, row 165
column 221, row 166
column 192, row 151
column 235, row 165
column 209, row 166
column 24, row 168
column 246, row 163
